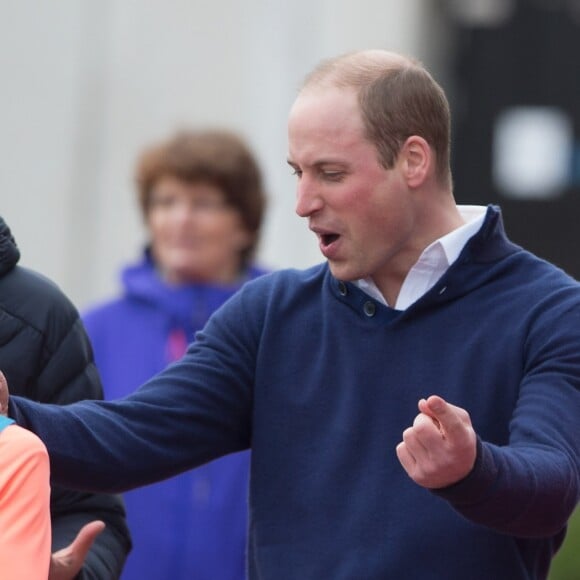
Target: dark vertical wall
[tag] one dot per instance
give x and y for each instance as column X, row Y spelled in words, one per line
column 530, row 59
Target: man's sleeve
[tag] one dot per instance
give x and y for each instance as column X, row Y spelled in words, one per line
column 530, row 487
column 197, row 409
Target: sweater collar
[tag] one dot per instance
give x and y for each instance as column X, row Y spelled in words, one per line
column 433, row 261
column 473, row 267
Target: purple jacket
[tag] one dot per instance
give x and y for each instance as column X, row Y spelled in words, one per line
column 193, row 525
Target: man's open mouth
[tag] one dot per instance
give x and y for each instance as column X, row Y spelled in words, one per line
column 327, row 239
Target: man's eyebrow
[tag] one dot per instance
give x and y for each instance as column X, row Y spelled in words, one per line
column 317, row 164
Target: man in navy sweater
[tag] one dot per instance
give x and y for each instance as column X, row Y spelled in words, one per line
column 411, row 404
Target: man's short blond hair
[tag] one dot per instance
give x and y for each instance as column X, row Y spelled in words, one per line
column 397, row 98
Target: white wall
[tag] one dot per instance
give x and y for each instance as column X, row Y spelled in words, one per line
column 87, row 83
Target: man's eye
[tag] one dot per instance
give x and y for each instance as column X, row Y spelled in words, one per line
column 296, row 172
column 333, row 175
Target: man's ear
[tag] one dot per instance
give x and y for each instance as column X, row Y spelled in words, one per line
column 417, row 160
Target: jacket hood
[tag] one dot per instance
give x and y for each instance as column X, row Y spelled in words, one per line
column 142, row 282
column 9, row 252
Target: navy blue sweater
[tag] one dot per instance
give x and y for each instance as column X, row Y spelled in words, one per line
column 321, row 385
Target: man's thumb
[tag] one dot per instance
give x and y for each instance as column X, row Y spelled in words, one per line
column 85, row 538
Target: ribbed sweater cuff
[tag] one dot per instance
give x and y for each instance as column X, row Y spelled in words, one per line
column 478, row 484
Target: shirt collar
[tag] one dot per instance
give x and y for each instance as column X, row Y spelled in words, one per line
column 453, row 242
column 435, row 258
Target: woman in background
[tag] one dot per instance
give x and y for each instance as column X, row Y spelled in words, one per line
column 202, row 201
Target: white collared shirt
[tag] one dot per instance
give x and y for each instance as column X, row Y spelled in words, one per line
column 433, row 262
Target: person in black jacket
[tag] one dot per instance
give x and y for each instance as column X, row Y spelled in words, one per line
column 46, row 356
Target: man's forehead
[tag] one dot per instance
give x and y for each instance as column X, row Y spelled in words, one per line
column 322, row 131
column 321, row 103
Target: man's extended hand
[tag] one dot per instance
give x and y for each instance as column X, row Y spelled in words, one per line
column 67, row 563
column 440, row 448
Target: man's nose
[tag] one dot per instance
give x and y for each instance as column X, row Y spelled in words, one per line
column 308, row 199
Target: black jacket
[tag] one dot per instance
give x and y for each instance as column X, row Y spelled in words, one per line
column 46, row 356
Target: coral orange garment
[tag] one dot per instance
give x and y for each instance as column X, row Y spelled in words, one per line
column 24, row 504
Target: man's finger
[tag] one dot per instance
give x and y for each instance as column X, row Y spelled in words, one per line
column 405, row 457
column 67, row 563
column 414, row 443
column 85, row 538
column 449, row 417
